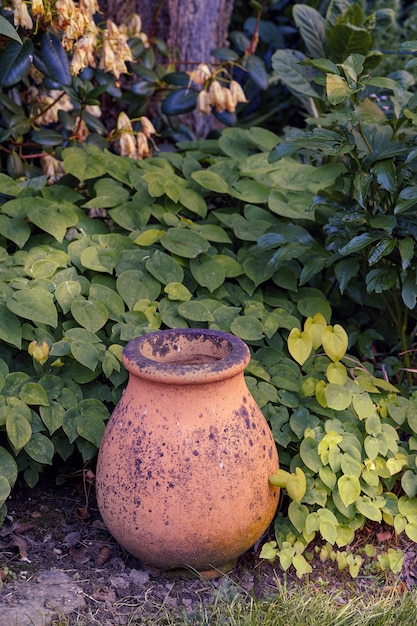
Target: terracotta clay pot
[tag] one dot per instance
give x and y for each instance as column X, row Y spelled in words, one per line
column 182, row 474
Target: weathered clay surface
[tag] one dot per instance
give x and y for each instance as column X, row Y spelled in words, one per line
column 183, row 470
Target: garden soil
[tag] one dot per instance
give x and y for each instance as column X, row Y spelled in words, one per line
column 59, row 565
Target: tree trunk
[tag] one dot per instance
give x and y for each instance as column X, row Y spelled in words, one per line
column 191, row 27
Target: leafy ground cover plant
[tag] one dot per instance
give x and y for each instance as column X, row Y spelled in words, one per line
column 352, row 440
column 359, row 239
column 117, row 248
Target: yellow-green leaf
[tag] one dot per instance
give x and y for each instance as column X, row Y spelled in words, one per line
column 279, row 478
column 349, row 489
column 363, row 405
column 297, row 485
column 316, row 325
column 336, row 373
column 300, row 344
column 337, row 397
column 411, row 531
column 335, row 342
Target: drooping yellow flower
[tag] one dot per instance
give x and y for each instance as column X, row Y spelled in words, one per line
column 132, row 27
column 127, row 145
column 217, row 95
column 229, row 101
column 123, row 122
column 84, row 53
column 52, row 168
column 204, row 102
column 148, row 128
column 45, row 105
column 38, row 8
column 143, row 150
column 115, row 52
column 237, row 92
column 89, row 7
column 21, row 15
column 201, row 74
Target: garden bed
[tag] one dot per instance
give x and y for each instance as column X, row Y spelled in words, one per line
column 60, row 566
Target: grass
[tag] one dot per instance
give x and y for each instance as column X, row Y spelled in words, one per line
column 303, row 605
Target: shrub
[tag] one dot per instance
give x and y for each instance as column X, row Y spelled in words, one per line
column 356, row 239
column 117, row 248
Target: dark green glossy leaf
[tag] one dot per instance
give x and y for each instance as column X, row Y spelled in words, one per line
column 179, row 102
column 346, row 39
column 55, row 59
column 406, row 247
column 47, row 137
column 409, row 291
column 224, row 54
column 382, row 249
column 379, row 280
column 180, row 79
column 311, row 26
column 257, row 71
column 145, row 73
column 359, row 242
column 15, row 62
column 345, row 270
column 286, row 64
column 8, row 30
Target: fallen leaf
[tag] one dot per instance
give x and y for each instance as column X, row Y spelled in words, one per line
column 21, row 545
column 105, row 594
column 80, row 555
column 23, row 527
column 82, row 513
column 384, row 535
column 103, row 556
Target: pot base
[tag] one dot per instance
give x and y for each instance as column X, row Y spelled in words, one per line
column 188, row 572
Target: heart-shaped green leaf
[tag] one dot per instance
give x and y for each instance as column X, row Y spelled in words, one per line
column 300, row 344
column 335, row 342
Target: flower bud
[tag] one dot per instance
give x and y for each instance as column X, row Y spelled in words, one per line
column 230, row 102
column 123, row 122
column 37, row 7
column 148, row 128
column 200, row 75
column 237, row 92
column 127, row 145
column 39, row 351
column 143, row 146
column 217, row 96
column 204, row 102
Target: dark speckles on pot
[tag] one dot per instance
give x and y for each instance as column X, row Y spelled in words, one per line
column 243, row 412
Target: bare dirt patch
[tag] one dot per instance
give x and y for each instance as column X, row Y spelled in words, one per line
column 57, row 559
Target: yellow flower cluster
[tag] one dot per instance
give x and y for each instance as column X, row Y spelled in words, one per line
column 115, row 51
column 213, row 94
column 220, row 97
column 134, row 144
column 90, row 46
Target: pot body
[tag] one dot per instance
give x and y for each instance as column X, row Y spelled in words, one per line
column 183, row 468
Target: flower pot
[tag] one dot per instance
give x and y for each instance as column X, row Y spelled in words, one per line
column 182, row 473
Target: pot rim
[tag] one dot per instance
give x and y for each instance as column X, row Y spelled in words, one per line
column 150, row 356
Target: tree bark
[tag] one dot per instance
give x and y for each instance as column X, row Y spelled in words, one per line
column 192, row 28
